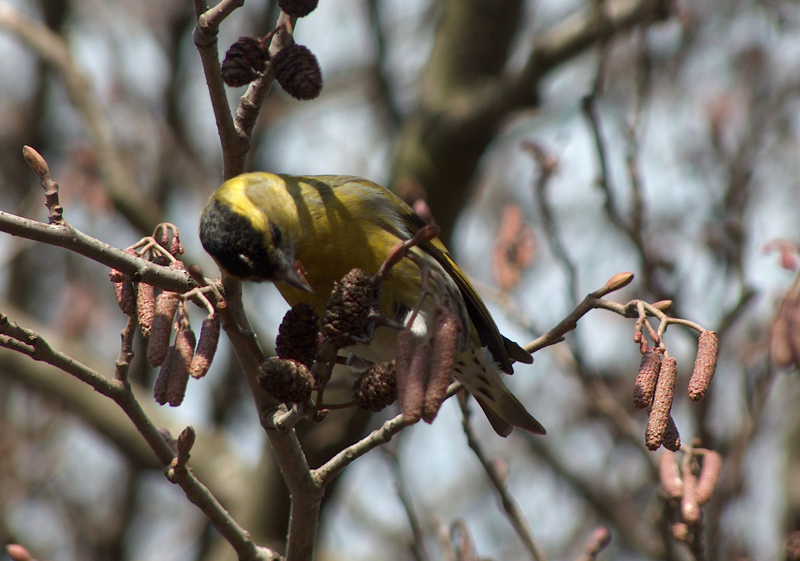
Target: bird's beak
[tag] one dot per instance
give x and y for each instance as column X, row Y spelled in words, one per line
column 293, row 276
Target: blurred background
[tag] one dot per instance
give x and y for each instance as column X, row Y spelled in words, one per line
column 656, row 137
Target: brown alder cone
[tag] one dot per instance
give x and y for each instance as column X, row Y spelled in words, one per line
column 444, row 352
column 704, row 366
column 297, row 71
column 645, row 386
column 376, row 388
column 298, row 334
column 161, row 329
column 145, row 307
column 349, row 313
column 179, row 376
column 709, row 475
column 662, row 404
column 286, row 380
column 669, row 475
column 206, row 346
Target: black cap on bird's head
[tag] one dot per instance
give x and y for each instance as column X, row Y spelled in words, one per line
column 243, row 251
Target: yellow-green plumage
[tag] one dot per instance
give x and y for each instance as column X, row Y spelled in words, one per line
column 261, row 226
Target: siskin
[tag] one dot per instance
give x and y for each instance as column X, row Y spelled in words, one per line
column 266, row 227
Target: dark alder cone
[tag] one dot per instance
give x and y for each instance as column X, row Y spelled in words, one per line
column 245, row 61
column 351, row 307
column 297, row 335
column 376, row 388
column 288, row 381
column 298, row 8
column 297, row 71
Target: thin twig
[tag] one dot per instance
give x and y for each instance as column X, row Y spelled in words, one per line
column 498, row 480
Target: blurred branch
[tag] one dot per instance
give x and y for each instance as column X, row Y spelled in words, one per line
column 495, row 471
column 120, row 183
column 32, row 344
column 464, row 102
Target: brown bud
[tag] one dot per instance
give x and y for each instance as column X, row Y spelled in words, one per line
column 645, row 386
column 160, row 331
column 709, row 475
column 662, row 305
column 704, row 366
column 349, row 314
column 690, row 510
column 185, row 442
column 297, row 71
column 444, row 351
column 662, row 403
column 672, row 439
column 410, row 379
column 126, row 297
column 145, row 307
column 376, row 388
column 179, row 376
column 670, row 475
column 288, row 381
column 17, row 552
column 618, row 281
column 298, row 8
column 297, row 335
column 206, row 347
column 245, row 61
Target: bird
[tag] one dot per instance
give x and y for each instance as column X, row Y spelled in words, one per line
column 304, row 233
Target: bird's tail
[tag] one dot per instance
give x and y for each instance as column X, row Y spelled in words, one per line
column 481, row 377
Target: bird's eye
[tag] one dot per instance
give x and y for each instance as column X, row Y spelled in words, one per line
column 276, row 235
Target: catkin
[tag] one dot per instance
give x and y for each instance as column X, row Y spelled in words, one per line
column 704, row 366
column 662, row 404
column 670, row 475
column 444, row 352
column 206, row 346
column 179, row 377
column 161, row 329
column 645, row 386
column 709, row 475
column 145, row 307
column 126, row 297
column 410, row 384
column 690, row 510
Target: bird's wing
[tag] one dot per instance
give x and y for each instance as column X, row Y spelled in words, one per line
column 503, row 350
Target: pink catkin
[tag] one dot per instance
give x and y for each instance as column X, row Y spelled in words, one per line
column 670, row 476
column 662, row 404
column 709, row 475
column 161, row 329
column 206, row 346
column 690, row 509
column 410, row 387
column 444, row 352
column 145, row 307
column 179, row 377
column 645, row 386
column 704, row 366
